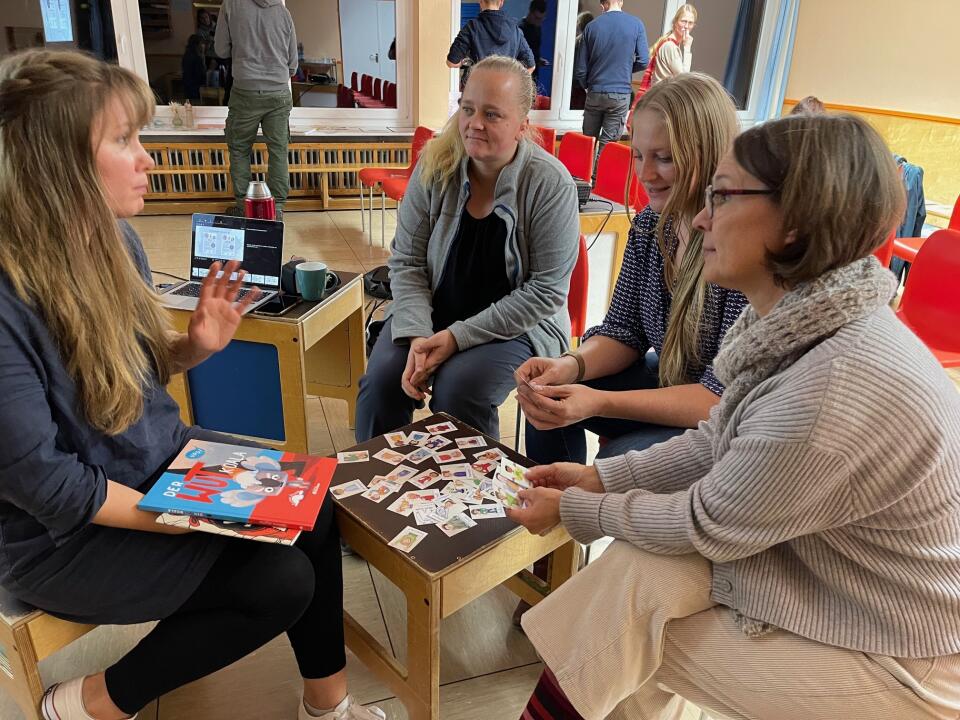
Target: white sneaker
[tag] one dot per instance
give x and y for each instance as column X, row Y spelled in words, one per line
column 64, row 701
column 348, row 709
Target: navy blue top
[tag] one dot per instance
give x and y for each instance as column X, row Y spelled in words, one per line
column 490, row 33
column 54, row 468
column 640, row 308
column 475, row 274
column 614, row 47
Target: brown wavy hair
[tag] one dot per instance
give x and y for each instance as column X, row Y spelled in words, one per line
column 56, row 227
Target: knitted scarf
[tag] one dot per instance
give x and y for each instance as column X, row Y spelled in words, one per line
column 756, row 348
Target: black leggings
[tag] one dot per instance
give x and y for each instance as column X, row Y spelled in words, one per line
column 253, row 592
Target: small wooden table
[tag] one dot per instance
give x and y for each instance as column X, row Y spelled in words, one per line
column 441, row 574
column 256, row 386
column 593, row 217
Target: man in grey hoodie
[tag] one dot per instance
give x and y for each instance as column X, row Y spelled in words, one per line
column 260, row 38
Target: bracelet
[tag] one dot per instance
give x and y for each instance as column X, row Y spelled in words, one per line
column 581, row 365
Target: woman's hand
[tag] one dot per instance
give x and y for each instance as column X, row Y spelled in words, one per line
column 548, row 407
column 560, row 476
column 549, row 371
column 217, row 316
column 430, row 353
column 415, row 391
column 540, row 510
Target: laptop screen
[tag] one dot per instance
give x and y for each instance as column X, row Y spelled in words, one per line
column 256, row 244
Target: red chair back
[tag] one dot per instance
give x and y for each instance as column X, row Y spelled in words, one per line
column 931, row 298
column 353, row 81
column 954, row 223
column 884, row 253
column 390, row 95
column 421, row 136
column 545, row 138
column 344, row 97
column 579, row 287
column 613, row 167
column 366, row 85
column 576, row 154
column 378, row 89
column 541, row 103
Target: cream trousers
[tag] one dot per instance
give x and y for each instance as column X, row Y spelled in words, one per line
column 634, row 635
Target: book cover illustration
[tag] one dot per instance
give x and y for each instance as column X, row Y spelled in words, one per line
column 260, row 533
column 253, row 486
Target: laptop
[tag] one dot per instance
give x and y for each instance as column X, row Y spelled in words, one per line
column 257, row 244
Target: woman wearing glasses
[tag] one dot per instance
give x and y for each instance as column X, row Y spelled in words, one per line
column 612, row 385
column 798, row 556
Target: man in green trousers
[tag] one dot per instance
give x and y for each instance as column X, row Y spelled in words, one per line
column 259, row 37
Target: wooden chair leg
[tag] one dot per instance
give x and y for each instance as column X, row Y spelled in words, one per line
column 19, row 675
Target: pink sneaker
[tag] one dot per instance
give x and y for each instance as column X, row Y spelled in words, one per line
column 348, row 709
column 64, row 701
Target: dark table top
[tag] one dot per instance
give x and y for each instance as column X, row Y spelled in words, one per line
column 436, row 552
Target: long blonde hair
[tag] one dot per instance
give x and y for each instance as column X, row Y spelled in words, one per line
column 56, row 229
column 686, row 8
column 443, row 155
column 701, row 121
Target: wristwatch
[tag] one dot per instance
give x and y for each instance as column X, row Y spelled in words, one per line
column 581, row 366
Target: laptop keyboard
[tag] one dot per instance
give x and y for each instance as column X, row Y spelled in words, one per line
column 192, row 289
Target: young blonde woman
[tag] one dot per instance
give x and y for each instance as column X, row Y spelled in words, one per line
column 672, row 54
column 480, row 265
column 797, row 556
column 611, row 384
column 87, row 426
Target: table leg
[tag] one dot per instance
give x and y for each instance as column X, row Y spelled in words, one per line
column 358, row 361
column 423, row 652
column 564, row 562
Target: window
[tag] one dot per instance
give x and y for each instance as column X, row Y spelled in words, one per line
column 58, row 24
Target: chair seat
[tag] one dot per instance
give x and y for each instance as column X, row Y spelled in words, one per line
column 947, row 357
column 907, row 248
column 395, row 188
column 375, row 175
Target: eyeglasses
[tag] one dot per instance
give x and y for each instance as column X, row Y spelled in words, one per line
column 714, row 198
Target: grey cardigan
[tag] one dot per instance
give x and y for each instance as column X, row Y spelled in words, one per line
column 819, row 514
column 537, row 200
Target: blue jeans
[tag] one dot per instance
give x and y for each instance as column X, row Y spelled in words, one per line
column 569, row 444
column 471, row 385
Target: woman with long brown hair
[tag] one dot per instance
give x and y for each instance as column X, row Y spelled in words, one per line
column 611, row 384
column 87, row 425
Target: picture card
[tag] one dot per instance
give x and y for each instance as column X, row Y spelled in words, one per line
column 425, row 479
column 484, row 467
column 427, row 515
column 401, row 473
column 407, row 539
column 396, row 439
column 459, row 471
column 345, row 490
column 471, row 442
column 419, row 455
column 484, row 512
column 378, row 492
column 456, row 525
column 417, row 437
column 441, row 428
column 353, row 456
column 390, row 456
column 422, row 497
column 448, row 456
column 402, row 506
column 436, row 442
column 493, row 454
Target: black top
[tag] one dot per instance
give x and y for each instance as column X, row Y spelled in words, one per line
column 475, row 273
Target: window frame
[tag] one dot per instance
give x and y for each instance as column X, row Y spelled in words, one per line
column 131, row 55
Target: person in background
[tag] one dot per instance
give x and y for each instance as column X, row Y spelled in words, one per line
column 88, row 425
column 614, row 47
column 490, row 33
column 480, row 267
column 672, row 54
column 259, row 38
column 797, row 556
column 613, row 384
column 207, row 30
column 810, row 105
column 532, row 28
column 193, row 68
column 579, row 93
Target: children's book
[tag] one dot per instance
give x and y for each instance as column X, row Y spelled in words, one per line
column 260, row 533
column 248, row 485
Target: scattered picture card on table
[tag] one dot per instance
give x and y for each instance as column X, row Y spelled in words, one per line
column 419, row 455
column 353, row 456
column 396, row 439
column 390, row 456
column 448, row 456
column 436, row 442
column 441, row 428
column 407, row 539
column 345, row 490
column 425, row 479
column 484, row 512
column 378, row 492
column 471, row 442
column 417, row 437
column 456, row 525
column 459, row 471
column 401, row 473
column 494, row 454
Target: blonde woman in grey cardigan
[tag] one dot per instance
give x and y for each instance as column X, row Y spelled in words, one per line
column 797, row 556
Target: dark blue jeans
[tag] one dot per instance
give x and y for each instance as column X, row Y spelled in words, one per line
column 569, row 444
column 471, row 385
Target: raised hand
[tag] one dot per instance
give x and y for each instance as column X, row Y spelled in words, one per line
column 218, row 315
column 560, row 476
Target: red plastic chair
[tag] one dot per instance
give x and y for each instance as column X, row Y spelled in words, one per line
column 541, row 103
column 390, row 96
column 366, row 85
column 372, row 176
column 545, row 138
column 931, row 299
column 576, row 309
column 613, row 168
column 378, row 89
column 907, row 248
column 576, row 154
column 354, row 85
column 344, row 97
column 884, row 253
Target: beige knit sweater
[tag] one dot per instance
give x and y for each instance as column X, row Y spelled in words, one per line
column 829, row 505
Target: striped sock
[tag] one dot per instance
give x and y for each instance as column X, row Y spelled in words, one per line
column 548, row 701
